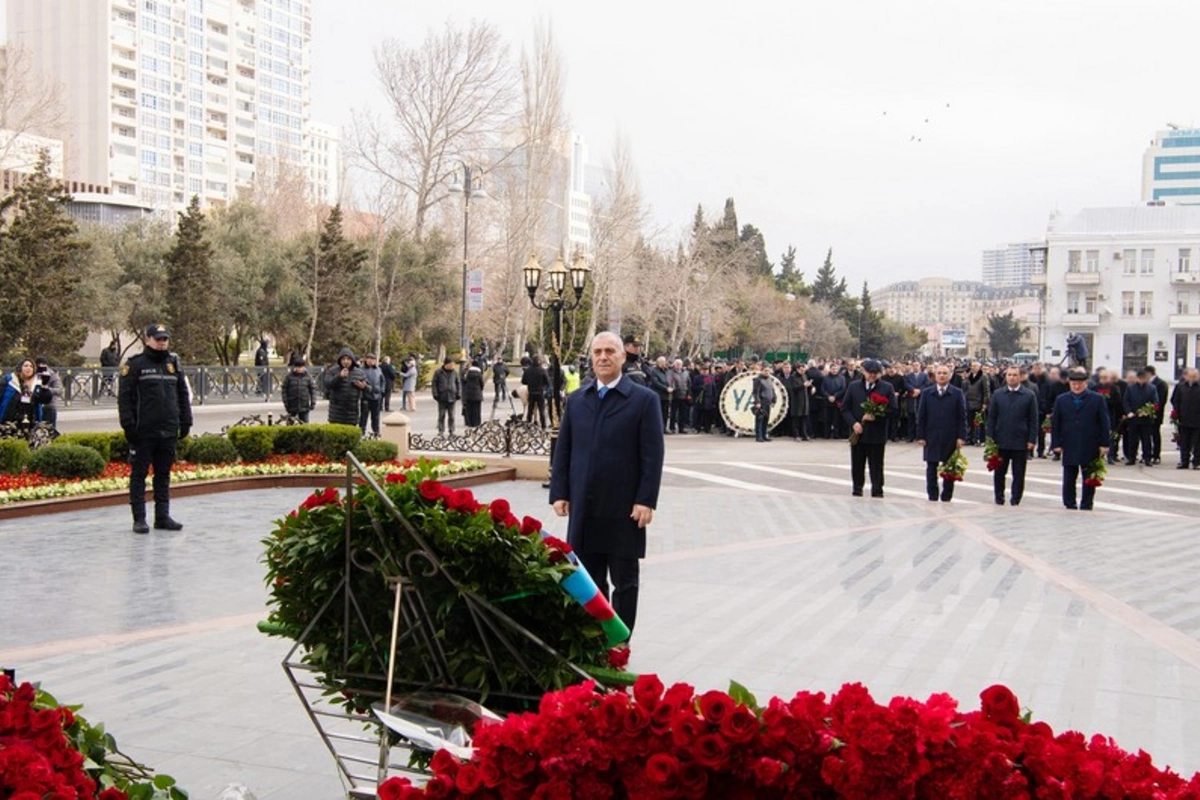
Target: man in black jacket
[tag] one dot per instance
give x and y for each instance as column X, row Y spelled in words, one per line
column 1138, row 395
column 871, row 431
column 389, row 381
column 536, row 381
column 1058, row 385
column 1185, row 403
column 977, row 388
column 1012, row 423
column 1041, row 389
column 1160, row 388
column 155, row 407
column 343, row 384
column 447, row 388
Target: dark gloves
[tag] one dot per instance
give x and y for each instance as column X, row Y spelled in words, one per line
column 184, row 430
column 130, row 435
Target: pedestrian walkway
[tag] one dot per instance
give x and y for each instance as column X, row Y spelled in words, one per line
column 778, row 581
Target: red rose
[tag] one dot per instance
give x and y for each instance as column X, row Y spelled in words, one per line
column 711, row 750
column 881, row 399
column 662, row 770
column 693, row 780
column 618, row 656
column 679, row 695
column 740, row 726
column 430, row 490
column 396, row 477
column 647, row 690
column 469, row 779
column 530, row 526
column 391, row 789
column 636, row 720
column 511, row 521
column 500, row 509
column 1000, row 706
column 660, row 718
column 462, row 500
column 440, row 786
column 686, row 728
column 767, row 771
column 444, row 763
column 716, row 706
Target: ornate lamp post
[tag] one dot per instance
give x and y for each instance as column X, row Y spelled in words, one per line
column 556, row 300
column 471, row 188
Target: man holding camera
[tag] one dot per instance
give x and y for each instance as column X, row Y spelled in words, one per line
column 49, row 379
column 155, row 405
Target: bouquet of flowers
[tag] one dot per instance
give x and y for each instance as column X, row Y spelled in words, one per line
column 875, row 406
column 1104, row 391
column 991, row 454
column 954, row 467
column 979, row 419
column 1174, row 426
column 1146, row 410
column 1046, row 425
column 1094, row 472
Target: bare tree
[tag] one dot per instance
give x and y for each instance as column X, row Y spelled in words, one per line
column 29, row 105
column 447, row 100
column 618, row 226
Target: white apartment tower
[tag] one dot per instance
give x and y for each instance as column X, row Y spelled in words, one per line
column 1171, row 167
column 579, row 201
column 174, row 98
column 323, row 145
column 1009, row 266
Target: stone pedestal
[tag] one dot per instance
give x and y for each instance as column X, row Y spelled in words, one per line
column 395, row 429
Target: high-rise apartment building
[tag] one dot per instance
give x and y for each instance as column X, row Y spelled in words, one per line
column 323, row 145
column 1008, row 266
column 174, row 98
column 1171, row 167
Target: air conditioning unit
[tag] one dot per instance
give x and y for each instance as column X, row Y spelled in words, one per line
column 1117, row 256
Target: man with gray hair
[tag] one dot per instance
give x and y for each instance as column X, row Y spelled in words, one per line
column 607, row 470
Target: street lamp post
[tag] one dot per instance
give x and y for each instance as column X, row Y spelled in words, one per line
column 858, row 344
column 471, row 187
column 556, row 301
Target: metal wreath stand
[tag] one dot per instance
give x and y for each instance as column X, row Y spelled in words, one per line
column 413, row 631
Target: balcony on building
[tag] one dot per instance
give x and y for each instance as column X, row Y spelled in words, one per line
column 1080, row 320
column 1184, row 322
column 1182, row 273
column 1083, row 278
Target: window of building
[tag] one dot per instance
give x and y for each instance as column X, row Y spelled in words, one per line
column 1185, row 260
column 1073, row 260
column 1127, row 303
column 195, row 185
column 1093, row 260
column 1072, row 302
column 1089, row 303
column 1147, row 262
column 1183, row 302
column 1145, row 304
column 1137, row 347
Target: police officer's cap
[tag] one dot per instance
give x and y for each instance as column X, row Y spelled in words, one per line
column 158, row 331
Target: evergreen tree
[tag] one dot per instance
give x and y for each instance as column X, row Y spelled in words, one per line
column 790, row 280
column 723, row 237
column 41, row 312
column 1004, row 334
column 699, row 226
column 826, row 288
column 332, row 274
column 870, row 327
column 758, row 263
column 191, row 295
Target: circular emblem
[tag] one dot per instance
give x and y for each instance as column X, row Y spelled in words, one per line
column 171, row 367
column 124, row 370
column 737, row 403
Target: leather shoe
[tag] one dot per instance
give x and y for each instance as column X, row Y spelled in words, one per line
column 877, row 494
column 1073, row 508
column 167, row 524
column 999, row 501
column 1182, row 466
column 140, row 526
column 856, row 492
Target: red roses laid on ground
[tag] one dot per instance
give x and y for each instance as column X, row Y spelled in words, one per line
column 670, row 743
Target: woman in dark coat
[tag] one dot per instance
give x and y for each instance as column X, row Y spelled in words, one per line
column 472, row 393
column 799, row 387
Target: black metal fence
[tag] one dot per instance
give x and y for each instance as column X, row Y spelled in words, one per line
column 210, row 384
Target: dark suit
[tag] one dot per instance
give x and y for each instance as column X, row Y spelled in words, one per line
column 1013, row 423
column 1080, row 430
column 868, row 452
column 609, row 457
column 1160, row 386
column 941, row 424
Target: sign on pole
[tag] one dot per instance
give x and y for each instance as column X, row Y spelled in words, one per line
column 475, row 290
column 954, row 339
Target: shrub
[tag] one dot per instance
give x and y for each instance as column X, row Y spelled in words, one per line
column 183, row 448
column 369, row 450
column 211, row 448
column 425, row 372
column 14, row 455
column 66, row 461
column 100, row 442
column 253, row 442
column 331, row 441
column 118, row 448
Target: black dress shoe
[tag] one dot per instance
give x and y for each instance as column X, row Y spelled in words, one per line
column 933, row 498
column 856, row 492
column 140, row 526
column 1073, row 508
column 877, row 494
column 1014, row 502
column 167, row 524
column 999, row 501
column 1182, row 466
column 1085, row 508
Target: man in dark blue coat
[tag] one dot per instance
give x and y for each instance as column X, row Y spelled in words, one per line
column 941, row 428
column 1012, row 423
column 871, row 431
column 1139, row 430
column 1079, row 433
column 608, row 465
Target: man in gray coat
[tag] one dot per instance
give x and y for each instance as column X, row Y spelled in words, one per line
column 1012, row 423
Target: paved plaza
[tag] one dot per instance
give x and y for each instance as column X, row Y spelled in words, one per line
column 762, row 568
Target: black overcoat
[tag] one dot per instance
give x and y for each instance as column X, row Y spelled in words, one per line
column 1080, row 432
column 941, row 422
column 875, row 432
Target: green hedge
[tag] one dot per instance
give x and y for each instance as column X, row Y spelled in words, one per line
column 331, row 441
column 67, row 461
column 14, row 455
column 100, row 442
column 118, row 447
column 369, row 450
column 211, row 448
column 253, row 442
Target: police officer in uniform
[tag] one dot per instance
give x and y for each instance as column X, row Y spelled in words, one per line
column 156, row 410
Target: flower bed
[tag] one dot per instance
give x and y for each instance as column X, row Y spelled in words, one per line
column 31, row 486
column 672, row 743
column 49, row 751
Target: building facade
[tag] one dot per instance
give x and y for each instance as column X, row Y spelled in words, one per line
column 1009, row 265
column 929, row 301
column 1128, row 281
column 1171, row 167
column 174, row 98
column 324, row 148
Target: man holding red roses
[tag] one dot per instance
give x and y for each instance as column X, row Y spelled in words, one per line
column 1079, row 433
column 868, row 405
column 941, row 429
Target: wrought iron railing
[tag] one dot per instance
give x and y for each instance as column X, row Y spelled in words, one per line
column 511, row 437
column 210, row 384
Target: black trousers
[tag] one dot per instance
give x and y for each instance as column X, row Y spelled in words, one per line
column 1189, row 446
column 388, row 388
column 1019, row 459
column 679, row 415
column 472, row 413
column 368, row 411
column 538, row 402
column 501, row 389
column 931, row 483
column 142, row 454
column 1041, row 443
column 762, row 420
column 1139, row 435
column 1156, row 439
column 865, row 457
column 625, row 573
column 1071, row 474
column 445, row 417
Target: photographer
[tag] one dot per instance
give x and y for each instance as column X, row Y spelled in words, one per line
column 24, row 395
column 49, row 379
